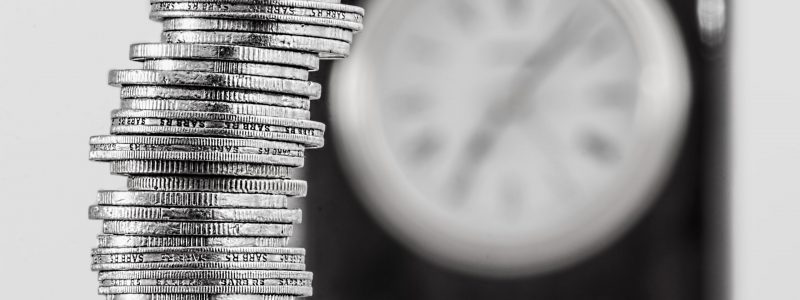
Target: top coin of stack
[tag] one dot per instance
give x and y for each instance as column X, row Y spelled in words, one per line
column 208, row 132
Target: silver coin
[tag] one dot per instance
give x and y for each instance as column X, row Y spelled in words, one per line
column 218, row 250
column 191, row 199
column 218, row 184
column 196, row 229
column 209, row 274
column 162, row 12
column 112, row 148
column 302, row 291
column 127, row 122
column 141, row 52
column 290, row 3
column 227, row 258
column 327, row 48
column 168, row 167
column 244, row 215
column 193, row 144
column 124, row 241
column 215, row 80
column 189, row 24
column 275, row 8
column 213, row 262
column 252, row 282
column 249, row 1
column 197, row 296
column 220, row 107
column 230, row 67
column 234, row 96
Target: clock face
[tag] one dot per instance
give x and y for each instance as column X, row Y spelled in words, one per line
column 505, row 138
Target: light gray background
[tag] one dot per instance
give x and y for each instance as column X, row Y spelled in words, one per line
column 55, row 56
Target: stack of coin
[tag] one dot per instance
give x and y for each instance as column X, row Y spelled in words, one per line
column 208, row 132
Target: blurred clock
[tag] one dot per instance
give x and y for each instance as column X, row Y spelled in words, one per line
column 518, row 149
column 504, row 138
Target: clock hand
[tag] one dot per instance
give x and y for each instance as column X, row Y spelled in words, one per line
column 533, row 72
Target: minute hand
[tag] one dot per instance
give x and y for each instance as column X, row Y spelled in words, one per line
column 497, row 117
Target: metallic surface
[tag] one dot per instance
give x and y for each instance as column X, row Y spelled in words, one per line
column 208, row 132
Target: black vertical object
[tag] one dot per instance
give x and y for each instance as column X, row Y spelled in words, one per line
column 675, row 252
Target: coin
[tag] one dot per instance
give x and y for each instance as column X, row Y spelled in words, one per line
column 110, row 148
column 303, row 291
column 167, row 167
column 270, row 9
column 196, row 229
column 327, row 48
column 218, row 184
column 290, row 3
column 220, row 107
column 223, row 250
column 191, row 199
column 197, row 296
column 302, row 276
column 217, row 80
column 141, row 52
column 212, row 262
column 230, row 67
column 204, row 94
column 162, row 12
column 158, row 122
column 125, row 241
column 249, row 215
column 189, row 24
column 227, row 258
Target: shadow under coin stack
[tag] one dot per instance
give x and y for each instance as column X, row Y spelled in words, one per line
column 208, row 132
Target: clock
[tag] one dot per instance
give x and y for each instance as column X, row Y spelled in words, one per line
column 508, row 138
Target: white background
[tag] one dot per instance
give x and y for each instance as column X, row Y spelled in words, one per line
column 55, row 54
column 766, row 150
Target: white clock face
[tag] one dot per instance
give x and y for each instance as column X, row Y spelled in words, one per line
column 510, row 137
